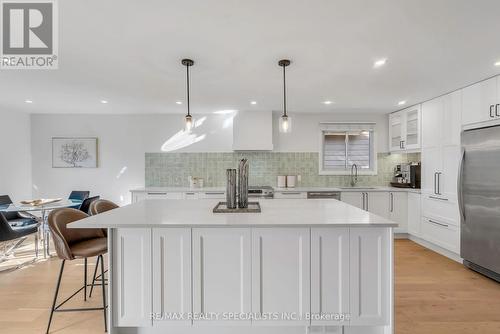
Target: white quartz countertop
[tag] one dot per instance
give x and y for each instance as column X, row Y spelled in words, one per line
column 276, row 189
column 185, row 213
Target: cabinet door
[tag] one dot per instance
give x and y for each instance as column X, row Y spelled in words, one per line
column 396, row 125
column 398, row 210
column 213, row 194
column 378, row 203
column 432, row 162
column 281, row 275
column 354, row 198
column 452, row 118
column 190, row 195
column 171, row 275
column 479, row 102
column 329, row 274
column 132, row 288
column 222, row 272
column 449, row 174
column 432, row 123
column 370, row 275
column 412, row 127
column 414, row 214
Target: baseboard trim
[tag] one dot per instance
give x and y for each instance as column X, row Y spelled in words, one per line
column 438, row 249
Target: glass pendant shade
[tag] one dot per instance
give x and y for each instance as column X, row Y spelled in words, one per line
column 285, row 124
column 188, row 123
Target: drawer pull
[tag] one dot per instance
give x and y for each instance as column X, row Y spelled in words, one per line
column 189, row 193
column 291, row 193
column 214, row 193
column 157, row 193
column 439, row 198
column 436, row 223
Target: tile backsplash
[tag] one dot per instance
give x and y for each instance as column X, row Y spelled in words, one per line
column 174, row 169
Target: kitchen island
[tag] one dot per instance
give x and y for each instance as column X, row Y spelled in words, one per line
column 318, row 266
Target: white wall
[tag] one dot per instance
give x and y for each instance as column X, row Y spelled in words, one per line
column 305, row 130
column 15, row 155
column 123, row 140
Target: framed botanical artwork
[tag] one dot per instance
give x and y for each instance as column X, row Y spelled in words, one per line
column 77, row 152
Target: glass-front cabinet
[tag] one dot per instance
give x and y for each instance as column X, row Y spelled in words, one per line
column 405, row 129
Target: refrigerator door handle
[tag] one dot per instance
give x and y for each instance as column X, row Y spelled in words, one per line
column 459, row 187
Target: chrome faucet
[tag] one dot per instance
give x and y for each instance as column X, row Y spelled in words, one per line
column 354, row 176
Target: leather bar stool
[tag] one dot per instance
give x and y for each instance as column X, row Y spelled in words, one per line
column 97, row 207
column 72, row 244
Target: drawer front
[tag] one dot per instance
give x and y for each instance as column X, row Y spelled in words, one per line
column 163, row 195
column 440, row 209
column 290, row 194
column 213, row 194
column 441, row 233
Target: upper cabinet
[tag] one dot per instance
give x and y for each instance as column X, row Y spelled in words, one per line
column 405, row 129
column 245, row 136
column 481, row 102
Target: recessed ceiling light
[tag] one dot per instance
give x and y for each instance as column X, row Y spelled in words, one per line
column 253, row 102
column 327, row 102
column 28, row 101
column 178, row 102
column 401, row 103
column 104, row 101
column 379, row 63
column 497, row 63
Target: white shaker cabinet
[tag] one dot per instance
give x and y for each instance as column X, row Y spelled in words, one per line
column 414, row 214
column 405, row 129
column 481, row 102
column 370, row 279
column 329, row 274
column 284, row 291
column 171, row 275
column 354, row 198
column 398, row 210
column 222, row 272
column 378, row 203
column 132, row 277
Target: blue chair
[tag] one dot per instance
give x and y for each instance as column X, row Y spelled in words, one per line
column 15, row 219
column 8, row 233
column 78, row 195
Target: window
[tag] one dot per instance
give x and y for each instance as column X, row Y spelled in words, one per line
column 345, row 144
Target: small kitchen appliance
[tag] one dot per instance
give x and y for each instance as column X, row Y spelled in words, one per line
column 407, row 175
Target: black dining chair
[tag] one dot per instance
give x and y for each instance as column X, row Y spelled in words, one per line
column 85, row 207
column 78, row 195
column 15, row 219
column 17, row 234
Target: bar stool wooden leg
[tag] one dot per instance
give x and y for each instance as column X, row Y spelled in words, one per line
column 85, row 280
column 55, row 295
column 103, row 294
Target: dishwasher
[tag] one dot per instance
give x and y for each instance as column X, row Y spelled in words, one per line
column 323, row 195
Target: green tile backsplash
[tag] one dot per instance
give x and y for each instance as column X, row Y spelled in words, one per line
column 174, row 169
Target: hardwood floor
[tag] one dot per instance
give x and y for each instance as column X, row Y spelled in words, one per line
column 433, row 295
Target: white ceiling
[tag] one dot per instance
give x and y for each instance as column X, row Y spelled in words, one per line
column 128, row 52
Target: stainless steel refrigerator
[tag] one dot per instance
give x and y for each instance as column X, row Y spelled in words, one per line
column 479, row 200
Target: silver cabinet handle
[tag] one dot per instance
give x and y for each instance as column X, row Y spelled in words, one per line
column 459, row 187
column 435, row 188
column 491, row 111
column 157, row 193
column 439, row 198
column 403, row 144
column 291, row 193
column 436, row 223
column 496, row 110
column 364, row 205
column 211, row 193
column 189, row 193
column 439, row 183
column 367, row 202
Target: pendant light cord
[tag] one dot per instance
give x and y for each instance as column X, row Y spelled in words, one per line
column 187, row 76
column 284, row 92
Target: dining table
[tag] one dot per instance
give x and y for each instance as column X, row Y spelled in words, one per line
column 43, row 209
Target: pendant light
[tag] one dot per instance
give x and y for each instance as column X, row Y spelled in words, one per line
column 285, row 123
column 188, row 120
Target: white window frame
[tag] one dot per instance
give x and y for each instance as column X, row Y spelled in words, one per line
column 325, row 127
